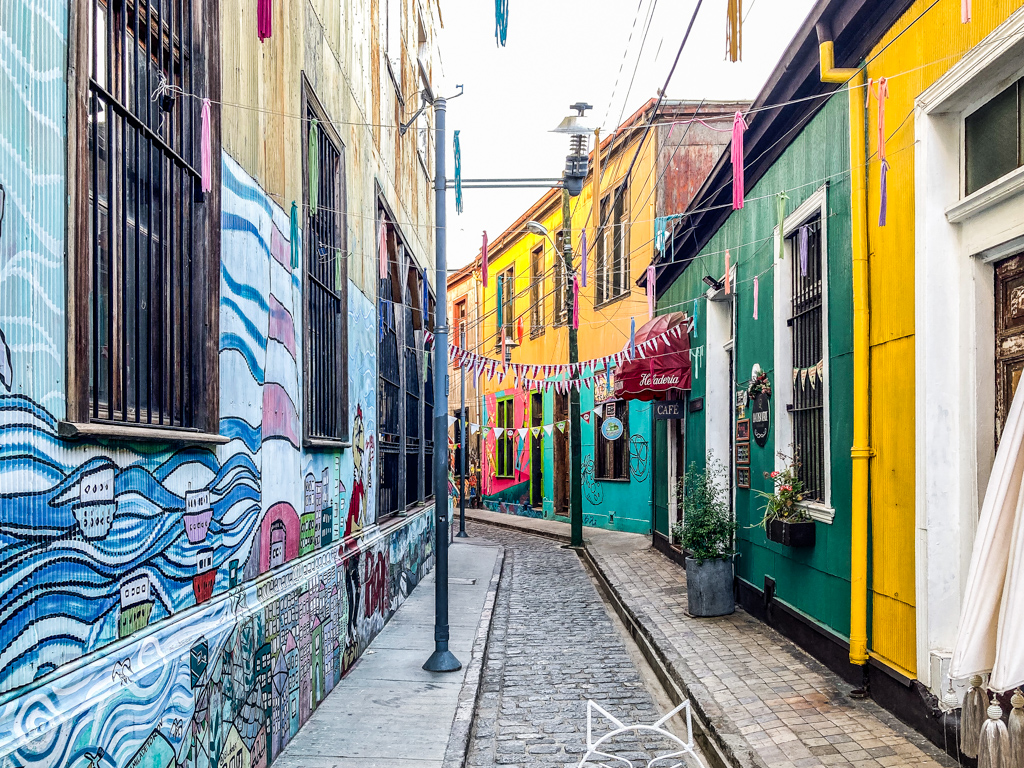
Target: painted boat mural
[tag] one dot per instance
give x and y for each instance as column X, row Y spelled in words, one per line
column 198, row 514
column 136, row 605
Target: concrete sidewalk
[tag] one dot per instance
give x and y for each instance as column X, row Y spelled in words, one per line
column 388, row 712
column 764, row 700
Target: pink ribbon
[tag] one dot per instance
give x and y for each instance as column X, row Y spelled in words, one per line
column 483, row 259
column 883, row 94
column 739, row 125
column 575, row 302
column 205, row 150
column 651, row 276
column 965, row 11
column 264, row 17
column 755, row 298
column 727, row 272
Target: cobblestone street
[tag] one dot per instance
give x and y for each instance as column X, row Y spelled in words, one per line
column 552, row 647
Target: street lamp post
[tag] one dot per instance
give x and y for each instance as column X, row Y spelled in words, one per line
column 442, row 659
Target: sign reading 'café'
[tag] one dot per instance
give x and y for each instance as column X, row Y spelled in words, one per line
column 761, row 419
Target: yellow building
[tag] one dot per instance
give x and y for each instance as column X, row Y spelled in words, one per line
column 526, row 309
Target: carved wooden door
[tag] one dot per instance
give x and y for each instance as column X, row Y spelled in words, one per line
column 1009, row 334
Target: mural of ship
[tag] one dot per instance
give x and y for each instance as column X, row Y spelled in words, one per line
column 95, row 508
column 136, row 605
column 197, row 515
column 206, row 575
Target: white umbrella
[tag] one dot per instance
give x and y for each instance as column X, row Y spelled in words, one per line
column 992, row 615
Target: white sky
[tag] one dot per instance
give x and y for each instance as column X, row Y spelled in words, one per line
column 562, row 51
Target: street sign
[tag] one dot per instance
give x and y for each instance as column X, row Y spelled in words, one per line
column 670, row 409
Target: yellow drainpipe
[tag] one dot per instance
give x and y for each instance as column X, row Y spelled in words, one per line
column 861, row 450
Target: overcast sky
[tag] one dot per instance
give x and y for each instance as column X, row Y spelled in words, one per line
column 562, row 51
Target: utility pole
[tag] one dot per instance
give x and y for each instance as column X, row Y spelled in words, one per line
column 462, row 449
column 442, row 659
column 575, row 445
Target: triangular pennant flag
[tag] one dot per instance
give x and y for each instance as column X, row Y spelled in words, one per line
column 586, row 416
column 813, row 376
column 474, row 428
column 597, row 411
column 452, row 420
column 535, row 431
column 522, row 431
column 803, row 377
column 547, row 428
column 561, row 426
column 821, row 369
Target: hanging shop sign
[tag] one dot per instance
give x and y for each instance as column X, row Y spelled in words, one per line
column 669, row 409
column 761, row 418
column 611, row 428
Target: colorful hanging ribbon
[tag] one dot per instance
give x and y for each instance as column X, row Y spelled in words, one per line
column 264, row 18
column 483, row 260
column 965, row 11
column 500, row 21
column 882, row 93
column 205, row 149
column 632, row 337
column 804, row 234
column 295, row 235
column 884, row 203
column 458, row 173
column 755, row 297
column 781, row 211
column 739, row 125
column 651, row 276
column 734, row 31
column 727, row 271
column 583, row 264
column 382, row 247
column 314, row 165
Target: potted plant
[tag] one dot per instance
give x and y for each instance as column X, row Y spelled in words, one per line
column 784, row 520
column 706, row 533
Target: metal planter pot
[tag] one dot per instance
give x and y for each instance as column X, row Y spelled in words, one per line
column 791, row 534
column 709, row 587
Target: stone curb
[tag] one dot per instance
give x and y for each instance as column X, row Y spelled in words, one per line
column 721, row 742
column 458, row 739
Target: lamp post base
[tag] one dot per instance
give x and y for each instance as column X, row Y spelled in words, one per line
column 461, row 535
column 442, row 661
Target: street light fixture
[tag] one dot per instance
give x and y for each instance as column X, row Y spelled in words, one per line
column 577, row 161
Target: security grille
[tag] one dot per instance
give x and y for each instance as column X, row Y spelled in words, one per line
column 808, row 390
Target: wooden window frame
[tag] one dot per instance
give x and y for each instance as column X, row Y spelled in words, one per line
column 537, row 314
column 612, row 451
column 310, row 103
column 204, row 333
column 507, row 278
column 612, row 278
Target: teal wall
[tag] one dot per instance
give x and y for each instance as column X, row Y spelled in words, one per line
column 813, row 580
column 615, row 504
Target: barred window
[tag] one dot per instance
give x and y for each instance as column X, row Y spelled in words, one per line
column 389, row 389
column 612, row 266
column 505, row 443
column 537, row 291
column 326, row 342
column 145, row 281
column 561, row 314
column 612, row 456
column 807, row 328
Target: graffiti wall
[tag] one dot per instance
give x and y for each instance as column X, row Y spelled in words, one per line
column 179, row 605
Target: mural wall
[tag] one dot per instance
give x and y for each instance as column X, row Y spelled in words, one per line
column 228, row 588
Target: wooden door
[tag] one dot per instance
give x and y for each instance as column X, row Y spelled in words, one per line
column 536, row 450
column 561, row 478
column 1009, row 334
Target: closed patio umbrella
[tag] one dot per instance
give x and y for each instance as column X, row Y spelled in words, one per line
column 992, row 615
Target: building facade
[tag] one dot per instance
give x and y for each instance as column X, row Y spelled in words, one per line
column 879, row 310
column 526, row 308
column 195, row 548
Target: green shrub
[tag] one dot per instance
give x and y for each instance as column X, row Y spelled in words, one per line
column 707, row 528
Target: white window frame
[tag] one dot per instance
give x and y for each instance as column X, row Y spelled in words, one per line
column 813, row 207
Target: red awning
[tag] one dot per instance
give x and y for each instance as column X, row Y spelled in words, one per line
column 662, row 360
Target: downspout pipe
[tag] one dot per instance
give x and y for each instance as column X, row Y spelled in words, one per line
column 861, row 451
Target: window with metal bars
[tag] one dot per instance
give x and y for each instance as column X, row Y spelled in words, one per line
column 612, row 456
column 389, row 393
column 612, row 268
column 537, row 291
column 503, row 318
column 807, row 329
column 412, row 413
column 505, row 442
column 144, row 285
column 326, row 340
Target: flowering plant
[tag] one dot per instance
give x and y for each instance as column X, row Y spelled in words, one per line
column 758, row 385
column 782, row 502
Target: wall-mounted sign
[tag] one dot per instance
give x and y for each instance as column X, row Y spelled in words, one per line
column 669, row 409
column 761, row 418
column 611, row 428
column 697, row 405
